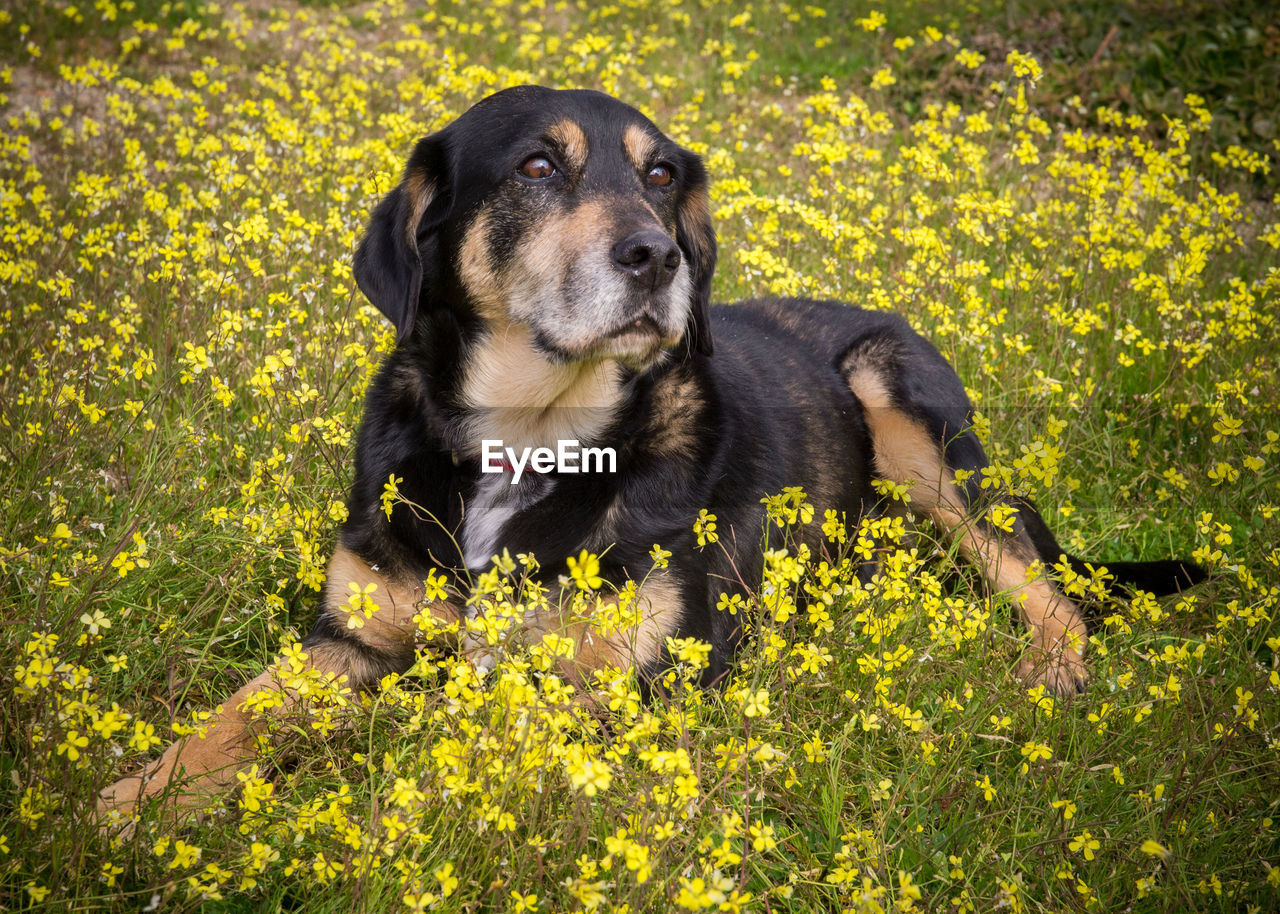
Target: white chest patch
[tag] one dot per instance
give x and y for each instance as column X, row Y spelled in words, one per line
column 493, row 504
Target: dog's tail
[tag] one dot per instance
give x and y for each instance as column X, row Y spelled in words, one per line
column 1160, row 577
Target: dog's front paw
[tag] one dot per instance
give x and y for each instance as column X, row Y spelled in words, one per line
column 116, row 807
column 1061, row 672
column 185, row 778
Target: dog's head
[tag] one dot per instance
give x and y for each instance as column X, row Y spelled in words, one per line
column 566, row 212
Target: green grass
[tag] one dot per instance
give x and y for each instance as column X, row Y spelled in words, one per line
column 181, row 212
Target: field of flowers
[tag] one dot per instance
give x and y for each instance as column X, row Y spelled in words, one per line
column 181, row 370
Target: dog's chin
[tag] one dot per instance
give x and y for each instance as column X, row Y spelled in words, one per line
column 646, row 356
column 638, row 346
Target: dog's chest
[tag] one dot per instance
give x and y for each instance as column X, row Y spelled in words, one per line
column 492, row 505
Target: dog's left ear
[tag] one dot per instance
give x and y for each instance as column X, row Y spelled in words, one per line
column 697, row 240
column 389, row 263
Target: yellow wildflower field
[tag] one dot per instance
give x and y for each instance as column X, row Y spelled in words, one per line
column 182, row 367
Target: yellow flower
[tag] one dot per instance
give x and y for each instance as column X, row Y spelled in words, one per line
column 585, row 570
column 448, row 881
column 72, row 744
column 184, row 855
column 1035, row 751
column 390, row 493
column 588, row 774
column 756, row 703
column 37, row 892
column 1024, row 66
column 873, row 21
column 705, row 528
column 95, row 621
column 434, row 586
column 883, row 78
column 762, row 837
column 1084, row 843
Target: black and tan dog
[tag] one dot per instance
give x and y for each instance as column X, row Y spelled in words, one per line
column 547, row 263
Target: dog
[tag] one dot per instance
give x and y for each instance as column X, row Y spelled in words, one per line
column 546, row 262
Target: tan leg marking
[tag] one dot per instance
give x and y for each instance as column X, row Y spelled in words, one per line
column 641, row 644
column 905, row 452
column 194, row 770
column 391, row 624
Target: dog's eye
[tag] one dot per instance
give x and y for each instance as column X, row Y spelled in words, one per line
column 537, row 167
column 659, row 176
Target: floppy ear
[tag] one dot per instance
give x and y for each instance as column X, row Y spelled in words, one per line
column 390, row 259
column 697, row 240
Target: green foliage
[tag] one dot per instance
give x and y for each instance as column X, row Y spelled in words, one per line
column 1146, row 56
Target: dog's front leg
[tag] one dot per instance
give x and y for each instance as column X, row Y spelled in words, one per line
column 367, row 628
column 195, row 768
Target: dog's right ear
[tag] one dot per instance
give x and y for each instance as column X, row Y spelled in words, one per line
column 398, row 247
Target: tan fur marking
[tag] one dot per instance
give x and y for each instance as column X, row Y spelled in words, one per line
column 559, row 277
column 904, row 452
column 572, row 141
column 868, row 386
column 544, row 259
column 574, row 245
column 640, row 146
column 194, row 770
column 1052, row 617
column 661, row 612
column 421, row 190
column 516, row 393
column 391, row 624
column 486, row 292
column 675, row 404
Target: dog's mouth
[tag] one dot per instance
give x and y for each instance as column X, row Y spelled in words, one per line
column 637, row 342
column 641, row 327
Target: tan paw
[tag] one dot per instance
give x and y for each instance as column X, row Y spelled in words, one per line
column 1062, row 672
column 117, row 805
column 186, row 778
column 114, row 809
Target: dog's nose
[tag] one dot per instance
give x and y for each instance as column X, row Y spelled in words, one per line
column 648, row 256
